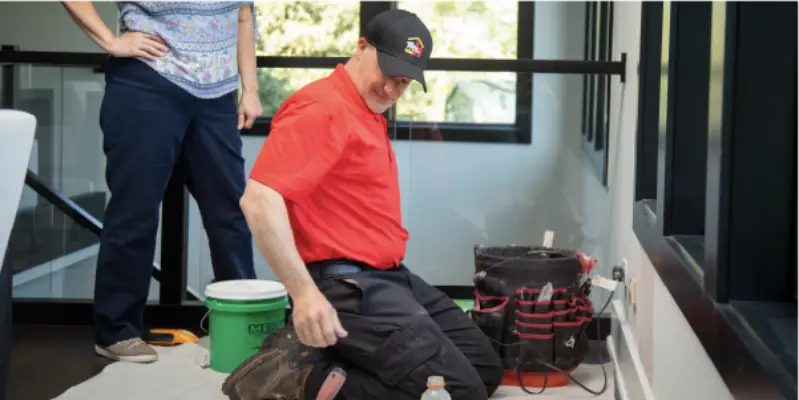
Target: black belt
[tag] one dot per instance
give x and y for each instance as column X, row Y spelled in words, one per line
column 329, row 268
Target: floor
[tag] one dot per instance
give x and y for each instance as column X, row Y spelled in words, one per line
column 46, row 361
column 65, row 368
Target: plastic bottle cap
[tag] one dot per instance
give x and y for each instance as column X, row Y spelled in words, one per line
column 435, row 382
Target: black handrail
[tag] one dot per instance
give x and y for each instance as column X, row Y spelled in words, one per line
column 8, row 54
column 80, row 216
column 67, row 206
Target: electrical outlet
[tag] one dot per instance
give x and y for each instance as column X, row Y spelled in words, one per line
column 626, row 270
column 629, row 286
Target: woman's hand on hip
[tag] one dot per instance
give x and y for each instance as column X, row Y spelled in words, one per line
column 138, row 44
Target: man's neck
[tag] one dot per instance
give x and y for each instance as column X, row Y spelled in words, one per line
column 352, row 71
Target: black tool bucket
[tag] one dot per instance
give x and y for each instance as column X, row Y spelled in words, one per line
column 528, row 334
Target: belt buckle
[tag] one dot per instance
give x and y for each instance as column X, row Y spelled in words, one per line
column 340, row 269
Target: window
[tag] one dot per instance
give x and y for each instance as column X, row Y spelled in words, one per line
column 596, row 89
column 307, row 28
column 301, row 29
column 465, row 30
column 469, row 29
column 683, row 128
column 465, row 97
column 479, row 78
column 303, row 41
column 277, row 84
column 649, row 82
column 722, row 142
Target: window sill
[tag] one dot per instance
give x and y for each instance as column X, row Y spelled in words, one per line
column 735, row 336
column 431, row 131
column 691, row 250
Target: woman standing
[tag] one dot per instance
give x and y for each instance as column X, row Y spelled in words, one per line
column 170, row 102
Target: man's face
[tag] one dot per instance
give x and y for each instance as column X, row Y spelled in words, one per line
column 378, row 91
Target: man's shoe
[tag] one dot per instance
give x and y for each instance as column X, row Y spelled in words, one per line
column 131, row 350
column 277, row 372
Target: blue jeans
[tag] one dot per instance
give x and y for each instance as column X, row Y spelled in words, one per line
column 151, row 126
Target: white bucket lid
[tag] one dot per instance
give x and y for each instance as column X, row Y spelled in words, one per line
column 245, row 289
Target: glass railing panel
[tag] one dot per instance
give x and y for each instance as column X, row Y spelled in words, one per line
column 66, row 102
column 68, row 157
column 51, row 255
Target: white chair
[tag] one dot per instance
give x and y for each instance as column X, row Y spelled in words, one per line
column 17, row 130
column 16, row 141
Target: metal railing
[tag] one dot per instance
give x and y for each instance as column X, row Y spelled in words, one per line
column 81, row 217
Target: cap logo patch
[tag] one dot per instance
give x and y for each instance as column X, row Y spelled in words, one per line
column 414, row 46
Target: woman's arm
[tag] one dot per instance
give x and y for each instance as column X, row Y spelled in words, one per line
column 246, row 50
column 85, row 15
column 131, row 44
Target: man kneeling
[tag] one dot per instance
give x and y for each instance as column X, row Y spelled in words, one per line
column 323, row 204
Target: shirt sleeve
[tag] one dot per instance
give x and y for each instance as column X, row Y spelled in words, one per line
column 251, row 5
column 302, row 147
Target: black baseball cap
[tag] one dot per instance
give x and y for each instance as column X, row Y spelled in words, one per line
column 403, row 44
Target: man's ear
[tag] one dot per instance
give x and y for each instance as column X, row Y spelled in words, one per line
column 362, row 46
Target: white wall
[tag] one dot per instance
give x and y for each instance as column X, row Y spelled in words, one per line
column 666, row 355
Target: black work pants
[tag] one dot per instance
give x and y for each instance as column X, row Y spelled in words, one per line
column 150, row 128
column 402, row 331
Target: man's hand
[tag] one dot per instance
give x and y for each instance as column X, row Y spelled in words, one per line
column 138, row 44
column 249, row 109
column 315, row 320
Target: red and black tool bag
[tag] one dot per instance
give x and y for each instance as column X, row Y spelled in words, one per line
column 528, row 334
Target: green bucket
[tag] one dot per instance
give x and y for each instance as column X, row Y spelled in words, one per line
column 241, row 314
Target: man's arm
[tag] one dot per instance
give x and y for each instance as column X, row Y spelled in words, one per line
column 246, row 50
column 300, row 151
column 85, row 15
column 315, row 319
column 267, row 217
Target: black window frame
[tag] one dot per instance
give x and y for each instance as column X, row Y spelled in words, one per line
column 519, row 132
column 598, row 46
column 741, row 269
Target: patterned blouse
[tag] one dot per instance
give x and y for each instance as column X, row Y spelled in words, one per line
column 202, row 37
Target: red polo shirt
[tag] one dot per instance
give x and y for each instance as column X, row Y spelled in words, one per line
column 331, row 159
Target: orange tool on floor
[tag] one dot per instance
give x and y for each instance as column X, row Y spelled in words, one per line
column 170, row 337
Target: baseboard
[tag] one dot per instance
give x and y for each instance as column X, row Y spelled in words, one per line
column 630, row 378
column 619, row 384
